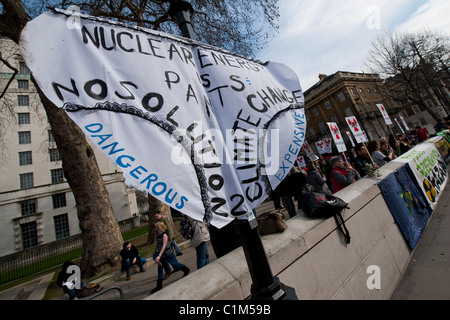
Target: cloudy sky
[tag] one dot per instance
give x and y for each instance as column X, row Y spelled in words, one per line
column 325, row 36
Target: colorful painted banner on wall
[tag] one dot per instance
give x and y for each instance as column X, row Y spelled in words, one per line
column 206, row 131
column 429, row 168
column 406, row 203
column 442, row 144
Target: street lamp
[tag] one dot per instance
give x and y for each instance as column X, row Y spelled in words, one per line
column 265, row 286
column 181, row 11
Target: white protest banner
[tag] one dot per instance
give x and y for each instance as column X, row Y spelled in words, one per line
column 405, row 124
column 307, row 148
column 204, row 130
column 301, row 161
column 320, row 145
column 385, row 115
column 349, row 135
column 359, row 134
column 327, row 147
column 337, row 137
column 429, row 168
column 398, row 123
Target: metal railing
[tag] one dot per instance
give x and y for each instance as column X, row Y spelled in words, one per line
column 95, row 295
column 37, row 259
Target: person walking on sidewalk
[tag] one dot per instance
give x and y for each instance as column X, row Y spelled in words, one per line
column 198, row 241
column 163, row 254
column 170, row 232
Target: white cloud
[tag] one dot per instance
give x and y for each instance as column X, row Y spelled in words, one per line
column 323, row 36
column 433, row 15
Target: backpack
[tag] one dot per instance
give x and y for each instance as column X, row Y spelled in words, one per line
column 322, row 205
column 186, row 229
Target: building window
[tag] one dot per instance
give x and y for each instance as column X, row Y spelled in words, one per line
column 23, row 101
column 353, row 92
column 23, row 69
column 429, row 103
column 361, row 91
column 57, row 175
column 23, row 118
column 322, row 128
column 61, row 226
column 22, row 84
column 29, row 234
column 334, row 118
column 403, row 114
column 24, row 137
column 348, row 112
column 315, row 112
column 312, row 132
column 59, row 200
column 26, row 180
column 54, row 155
column 416, row 109
column 361, row 110
column 51, row 137
column 341, row 97
column 25, row 158
column 28, row 207
column 328, row 104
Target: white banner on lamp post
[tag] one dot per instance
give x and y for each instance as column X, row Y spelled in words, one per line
column 204, row 130
column 384, row 113
column 337, row 137
column 356, row 130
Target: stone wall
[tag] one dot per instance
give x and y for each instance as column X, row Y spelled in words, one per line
column 312, row 257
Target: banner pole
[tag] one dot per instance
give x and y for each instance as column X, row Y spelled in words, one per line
column 370, row 156
column 265, row 286
column 395, row 138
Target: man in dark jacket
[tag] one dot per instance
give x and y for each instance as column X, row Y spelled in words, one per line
column 362, row 159
column 73, row 287
column 130, row 256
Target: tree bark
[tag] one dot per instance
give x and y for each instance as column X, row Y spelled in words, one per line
column 101, row 236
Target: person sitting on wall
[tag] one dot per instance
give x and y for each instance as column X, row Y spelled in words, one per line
column 130, row 256
column 342, row 174
column 72, row 287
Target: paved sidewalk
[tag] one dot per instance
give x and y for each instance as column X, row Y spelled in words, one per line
column 427, row 276
column 142, row 283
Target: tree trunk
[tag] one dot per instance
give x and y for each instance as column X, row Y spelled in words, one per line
column 102, row 240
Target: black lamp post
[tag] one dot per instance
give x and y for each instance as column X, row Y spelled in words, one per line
column 356, row 113
column 265, row 286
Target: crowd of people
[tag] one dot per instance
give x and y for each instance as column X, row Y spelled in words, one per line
column 333, row 172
